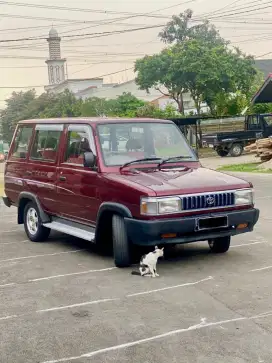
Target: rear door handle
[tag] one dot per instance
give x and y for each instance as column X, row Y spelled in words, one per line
column 62, row 178
column 28, row 172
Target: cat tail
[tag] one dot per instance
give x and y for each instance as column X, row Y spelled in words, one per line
column 135, row 273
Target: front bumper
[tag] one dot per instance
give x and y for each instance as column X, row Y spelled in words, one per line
column 141, row 232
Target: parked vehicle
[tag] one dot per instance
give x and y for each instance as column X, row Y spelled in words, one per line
column 62, row 175
column 233, row 143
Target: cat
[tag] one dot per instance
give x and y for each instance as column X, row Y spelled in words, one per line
column 148, row 263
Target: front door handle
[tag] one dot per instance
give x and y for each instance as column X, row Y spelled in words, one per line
column 62, row 178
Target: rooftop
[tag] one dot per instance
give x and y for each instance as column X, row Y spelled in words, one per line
column 264, row 65
column 97, row 120
column 264, row 94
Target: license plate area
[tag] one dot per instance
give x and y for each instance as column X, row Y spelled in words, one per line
column 211, row 223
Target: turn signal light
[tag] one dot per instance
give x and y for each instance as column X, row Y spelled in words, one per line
column 242, row 225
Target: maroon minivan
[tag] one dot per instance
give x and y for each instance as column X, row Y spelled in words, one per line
column 121, row 182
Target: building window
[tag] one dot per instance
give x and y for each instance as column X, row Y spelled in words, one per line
column 52, row 75
column 62, row 73
column 57, row 74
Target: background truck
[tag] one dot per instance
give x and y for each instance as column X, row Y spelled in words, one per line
column 233, row 143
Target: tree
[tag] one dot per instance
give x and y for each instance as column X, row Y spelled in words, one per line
column 63, row 104
column 95, row 106
column 151, row 111
column 125, row 105
column 211, row 71
column 25, row 105
column 16, row 106
column 180, row 30
column 160, row 71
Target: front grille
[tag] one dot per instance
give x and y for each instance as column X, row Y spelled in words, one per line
column 208, row 201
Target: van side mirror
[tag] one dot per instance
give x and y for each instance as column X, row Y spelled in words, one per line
column 89, row 159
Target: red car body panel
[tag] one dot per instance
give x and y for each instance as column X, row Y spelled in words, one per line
column 81, row 194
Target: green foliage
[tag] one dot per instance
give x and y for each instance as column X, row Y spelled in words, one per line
column 94, row 106
column 17, row 107
column 125, row 105
column 198, row 62
column 180, row 30
column 246, row 168
column 230, row 104
column 25, row 105
column 60, row 105
column 162, row 71
column 151, row 111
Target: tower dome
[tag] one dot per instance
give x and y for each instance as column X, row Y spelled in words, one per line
column 53, row 33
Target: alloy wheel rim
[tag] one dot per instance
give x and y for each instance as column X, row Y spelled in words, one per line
column 32, row 221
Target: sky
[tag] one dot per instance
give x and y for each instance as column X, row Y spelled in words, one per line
column 245, row 23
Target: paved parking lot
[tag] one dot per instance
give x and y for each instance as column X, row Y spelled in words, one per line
column 62, row 302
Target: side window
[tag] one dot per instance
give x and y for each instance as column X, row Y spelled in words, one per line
column 78, row 143
column 253, row 123
column 22, row 141
column 45, row 145
column 268, row 120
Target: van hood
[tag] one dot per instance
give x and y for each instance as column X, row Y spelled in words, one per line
column 179, row 181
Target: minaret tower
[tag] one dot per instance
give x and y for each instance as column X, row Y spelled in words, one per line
column 55, row 64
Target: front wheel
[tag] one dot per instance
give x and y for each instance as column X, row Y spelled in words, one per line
column 236, row 150
column 34, row 229
column 121, row 248
column 219, row 245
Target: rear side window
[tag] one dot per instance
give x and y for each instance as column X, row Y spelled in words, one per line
column 22, row 141
column 45, row 145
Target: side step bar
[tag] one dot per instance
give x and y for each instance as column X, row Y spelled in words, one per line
column 73, row 229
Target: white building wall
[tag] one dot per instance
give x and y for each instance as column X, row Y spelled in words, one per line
column 75, row 86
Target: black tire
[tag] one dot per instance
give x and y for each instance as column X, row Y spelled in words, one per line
column 222, row 153
column 42, row 233
column 121, row 248
column 236, row 150
column 219, row 245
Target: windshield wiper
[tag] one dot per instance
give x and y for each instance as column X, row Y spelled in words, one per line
column 139, row 161
column 173, row 159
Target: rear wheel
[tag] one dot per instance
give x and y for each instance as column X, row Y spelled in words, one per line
column 33, row 225
column 222, row 153
column 219, row 245
column 236, row 150
column 121, row 248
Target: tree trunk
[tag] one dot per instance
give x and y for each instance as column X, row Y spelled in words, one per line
column 197, row 103
column 180, row 103
column 200, row 142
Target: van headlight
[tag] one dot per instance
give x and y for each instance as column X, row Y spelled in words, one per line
column 244, row 197
column 156, row 206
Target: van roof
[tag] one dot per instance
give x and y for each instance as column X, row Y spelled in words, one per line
column 91, row 120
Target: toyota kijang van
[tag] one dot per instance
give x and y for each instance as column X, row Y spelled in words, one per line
column 120, row 183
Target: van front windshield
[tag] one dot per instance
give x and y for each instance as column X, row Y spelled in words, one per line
column 122, row 143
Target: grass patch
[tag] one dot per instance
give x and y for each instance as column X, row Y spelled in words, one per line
column 246, row 168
